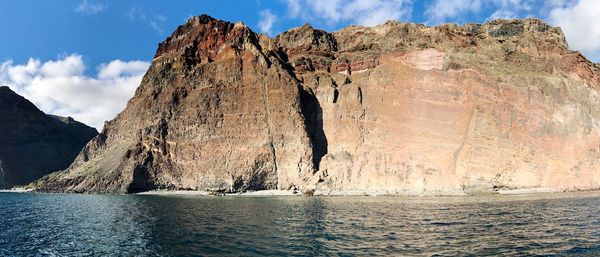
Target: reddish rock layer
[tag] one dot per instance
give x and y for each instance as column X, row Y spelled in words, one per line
column 398, row 108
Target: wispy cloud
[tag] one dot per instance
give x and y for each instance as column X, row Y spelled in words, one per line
column 155, row 21
column 60, row 86
column 443, row 10
column 362, row 12
column 577, row 18
column 439, row 11
column 267, row 19
column 86, row 7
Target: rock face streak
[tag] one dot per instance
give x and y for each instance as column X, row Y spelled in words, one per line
column 33, row 144
column 399, row 108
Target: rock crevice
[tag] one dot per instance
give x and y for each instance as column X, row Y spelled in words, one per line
column 398, row 108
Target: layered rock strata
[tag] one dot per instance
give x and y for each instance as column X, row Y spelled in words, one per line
column 398, row 108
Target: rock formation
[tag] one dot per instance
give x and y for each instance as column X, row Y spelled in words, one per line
column 33, row 144
column 398, row 108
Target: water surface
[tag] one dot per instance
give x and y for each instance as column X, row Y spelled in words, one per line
column 136, row 225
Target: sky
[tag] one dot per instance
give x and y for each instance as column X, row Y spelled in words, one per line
column 85, row 58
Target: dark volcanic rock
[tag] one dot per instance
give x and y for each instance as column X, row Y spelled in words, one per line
column 33, row 144
column 398, row 108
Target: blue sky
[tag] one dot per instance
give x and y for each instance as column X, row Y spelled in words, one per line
column 54, row 51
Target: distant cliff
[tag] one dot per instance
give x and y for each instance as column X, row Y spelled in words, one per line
column 399, row 108
column 33, row 144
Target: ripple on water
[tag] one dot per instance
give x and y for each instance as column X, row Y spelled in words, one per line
column 83, row 225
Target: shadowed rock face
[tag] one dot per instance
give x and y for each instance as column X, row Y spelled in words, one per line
column 399, row 108
column 33, row 144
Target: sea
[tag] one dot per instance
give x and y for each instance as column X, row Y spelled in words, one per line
column 565, row 224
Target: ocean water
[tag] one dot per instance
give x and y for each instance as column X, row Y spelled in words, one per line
column 136, row 225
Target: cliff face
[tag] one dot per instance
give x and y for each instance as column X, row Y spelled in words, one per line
column 397, row 108
column 33, row 144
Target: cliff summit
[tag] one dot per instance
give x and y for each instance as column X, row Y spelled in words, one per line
column 399, row 108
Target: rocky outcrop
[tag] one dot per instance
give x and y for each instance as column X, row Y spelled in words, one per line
column 33, row 144
column 398, row 108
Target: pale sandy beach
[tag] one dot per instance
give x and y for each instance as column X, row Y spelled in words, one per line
column 527, row 191
column 533, row 192
column 15, row 190
column 207, row 193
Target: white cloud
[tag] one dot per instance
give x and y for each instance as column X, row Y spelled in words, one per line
column 362, row 12
column 512, row 9
column 579, row 22
column 132, row 13
column 118, row 68
column 71, row 65
column 267, row 18
column 577, row 18
column 442, row 10
column 293, row 8
column 503, row 14
column 86, row 7
column 155, row 21
column 60, row 87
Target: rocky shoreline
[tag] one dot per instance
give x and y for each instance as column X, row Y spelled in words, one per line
column 500, row 194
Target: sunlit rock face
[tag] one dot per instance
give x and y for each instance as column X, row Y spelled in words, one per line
column 398, row 108
column 33, row 144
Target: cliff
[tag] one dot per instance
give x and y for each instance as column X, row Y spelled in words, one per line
column 33, row 144
column 399, row 108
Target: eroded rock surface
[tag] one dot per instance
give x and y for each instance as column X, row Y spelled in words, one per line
column 399, row 108
column 33, row 144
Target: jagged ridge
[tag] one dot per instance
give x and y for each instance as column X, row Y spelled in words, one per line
column 400, row 108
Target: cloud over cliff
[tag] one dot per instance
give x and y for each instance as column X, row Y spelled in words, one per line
column 575, row 17
column 61, row 86
column 363, row 12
